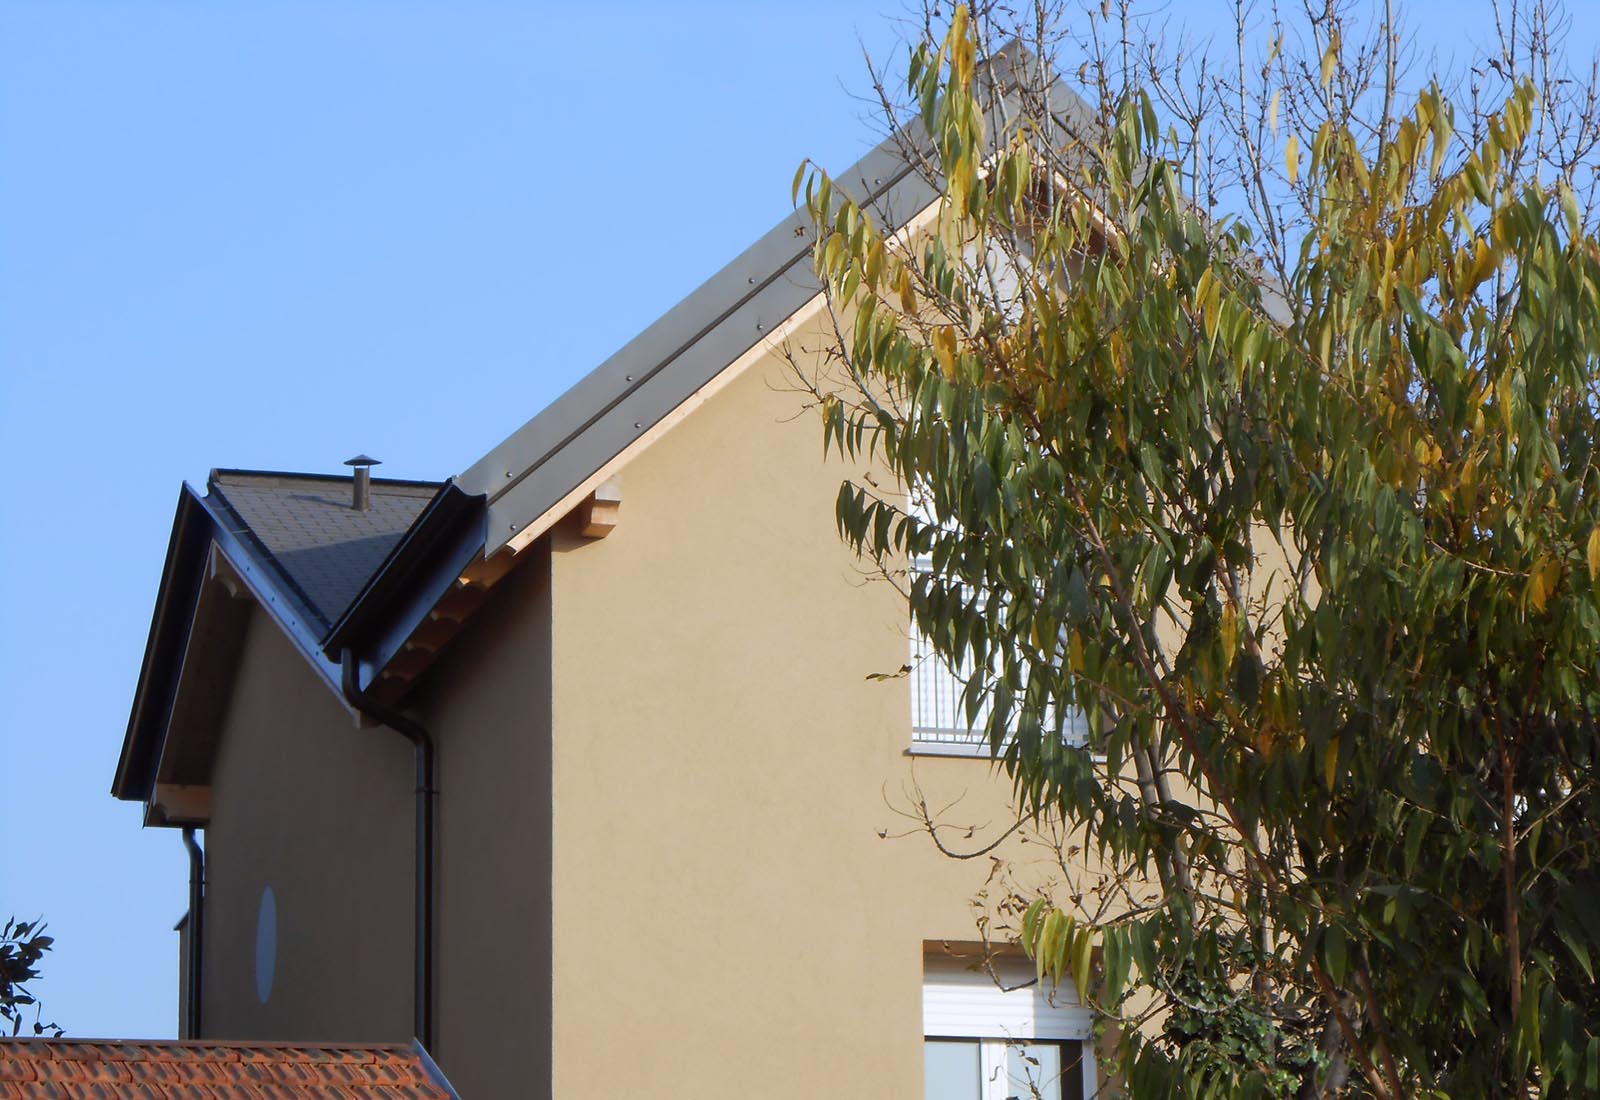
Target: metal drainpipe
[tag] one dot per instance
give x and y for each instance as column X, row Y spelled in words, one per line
column 422, row 743
column 197, row 932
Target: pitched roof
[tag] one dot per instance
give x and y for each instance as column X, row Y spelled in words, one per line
column 527, row 477
column 522, row 486
column 102, row 1069
column 305, row 529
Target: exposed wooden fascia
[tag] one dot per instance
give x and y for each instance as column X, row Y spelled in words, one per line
column 597, row 515
column 182, row 803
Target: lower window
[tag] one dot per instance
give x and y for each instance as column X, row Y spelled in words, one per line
column 997, row 1034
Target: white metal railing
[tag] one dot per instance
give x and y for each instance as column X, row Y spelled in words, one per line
column 939, row 715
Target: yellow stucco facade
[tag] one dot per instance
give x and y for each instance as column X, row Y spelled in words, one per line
column 670, row 862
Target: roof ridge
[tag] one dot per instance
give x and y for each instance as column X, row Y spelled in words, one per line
column 301, row 475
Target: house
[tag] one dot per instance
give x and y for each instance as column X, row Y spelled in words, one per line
column 578, row 766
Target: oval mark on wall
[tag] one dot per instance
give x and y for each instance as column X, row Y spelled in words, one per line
column 266, row 943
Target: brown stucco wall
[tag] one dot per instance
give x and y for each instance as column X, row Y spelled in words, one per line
column 664, row 776
column 320, row 811
column 727, row 919
column 488, row 705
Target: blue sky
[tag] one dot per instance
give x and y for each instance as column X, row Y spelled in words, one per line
column 273, row 235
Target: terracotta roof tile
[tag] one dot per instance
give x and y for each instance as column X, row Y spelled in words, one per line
column 57, row 1069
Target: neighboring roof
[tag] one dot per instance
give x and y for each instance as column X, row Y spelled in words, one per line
column 45, row 1069
column 306, row 530
column 302, row 551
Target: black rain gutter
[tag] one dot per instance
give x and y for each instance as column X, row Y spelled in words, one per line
column 197, row 925
column 422, row 744
column 444, row 539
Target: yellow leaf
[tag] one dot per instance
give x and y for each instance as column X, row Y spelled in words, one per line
column 1542, row 582
column 1330, row 58
column 1594, row 554
column 1291, row 156
column 1272, row 112
column 908, row 296
column 944, row 349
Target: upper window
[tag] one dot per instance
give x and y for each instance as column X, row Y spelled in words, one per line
column 1010, row 1039
column 939, row 723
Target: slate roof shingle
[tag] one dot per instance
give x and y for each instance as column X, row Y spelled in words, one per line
column 106, row 1069
column 304, row 525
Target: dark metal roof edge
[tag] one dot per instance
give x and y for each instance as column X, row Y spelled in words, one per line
column 593, row 405
column 199, row 523
column 178, row 572
column 662, row 343
column 440, row 519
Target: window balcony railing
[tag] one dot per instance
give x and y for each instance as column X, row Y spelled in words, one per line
column 939, row 724
column 939, row 716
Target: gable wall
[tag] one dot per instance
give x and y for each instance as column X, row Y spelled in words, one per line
column 488, row 705
column 320, row 811
column 726, row 918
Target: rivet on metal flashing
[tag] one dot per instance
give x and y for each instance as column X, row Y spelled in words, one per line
column 751, row 280
column 512, row 526
column 638, row 423
column 630, row 378
column 760, row 327
column 876, row 182
column 508, row 473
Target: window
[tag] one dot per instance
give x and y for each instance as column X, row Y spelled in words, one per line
column 984, row 1040
column 939, row 724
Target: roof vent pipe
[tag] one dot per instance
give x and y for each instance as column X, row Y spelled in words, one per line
column 362, row 489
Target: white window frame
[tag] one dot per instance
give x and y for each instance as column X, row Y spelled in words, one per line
column 961, row 1003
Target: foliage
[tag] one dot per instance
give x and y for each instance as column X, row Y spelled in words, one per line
column 1300, row 508
column 22, row 945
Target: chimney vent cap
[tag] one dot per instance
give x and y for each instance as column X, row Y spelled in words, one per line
column 362, row 460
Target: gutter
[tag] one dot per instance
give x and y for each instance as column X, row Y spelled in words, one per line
column 196, row 939
column 422, row 744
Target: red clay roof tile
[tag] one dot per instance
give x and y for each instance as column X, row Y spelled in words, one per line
column 56, row 1069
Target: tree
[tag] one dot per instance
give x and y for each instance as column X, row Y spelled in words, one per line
column 22, row 945
column 1298, row 504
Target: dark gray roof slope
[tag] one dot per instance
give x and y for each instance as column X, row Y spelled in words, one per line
column 304, row 528
column 624, row 397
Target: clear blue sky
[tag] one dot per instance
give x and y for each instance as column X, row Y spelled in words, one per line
column 273, row 235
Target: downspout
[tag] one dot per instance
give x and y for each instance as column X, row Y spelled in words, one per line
column 422, row 744
column 197, row 932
